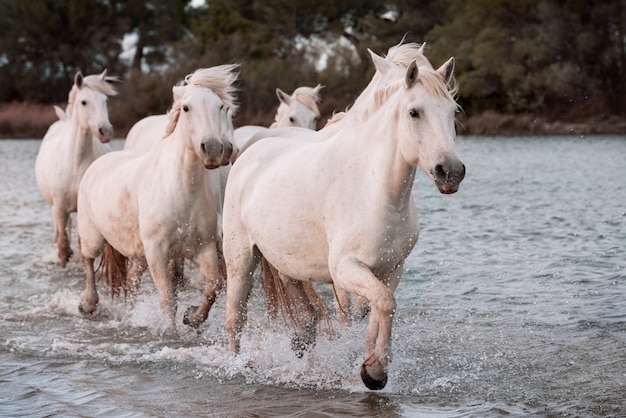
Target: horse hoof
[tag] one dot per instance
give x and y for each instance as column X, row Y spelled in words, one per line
column 85, row 312
column 371, row 382
column 299, row 345
column 188, row 318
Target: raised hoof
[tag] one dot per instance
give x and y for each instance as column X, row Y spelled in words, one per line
column 299, row 345
column 188, row 318
column 369, row 381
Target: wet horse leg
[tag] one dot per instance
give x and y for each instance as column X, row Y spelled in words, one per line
column 176, row 269
column 157, row 264
column 240, row 265
column 355, row 277
column 89, row 301
column 61, row 233
column 303, row 314
column 137, row 267
column 208, row 264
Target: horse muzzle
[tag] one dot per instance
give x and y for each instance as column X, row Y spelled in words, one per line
column 448, row 175
column 105, row 134
column 212, row 154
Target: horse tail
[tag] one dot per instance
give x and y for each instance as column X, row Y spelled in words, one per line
column 279, row 298
column 114, row 269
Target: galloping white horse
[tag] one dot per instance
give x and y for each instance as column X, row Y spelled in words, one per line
column 156, row 206
column 341, row 209
column 70, row 145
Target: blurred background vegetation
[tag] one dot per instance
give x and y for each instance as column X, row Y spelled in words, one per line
column 558, row 61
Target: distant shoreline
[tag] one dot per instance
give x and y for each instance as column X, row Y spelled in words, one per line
column 28, row 121
column 491, row 123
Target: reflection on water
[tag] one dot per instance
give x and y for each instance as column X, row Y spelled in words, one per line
column 512, row 303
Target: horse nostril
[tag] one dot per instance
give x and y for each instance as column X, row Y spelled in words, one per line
column 440, row 172
column 203, row 148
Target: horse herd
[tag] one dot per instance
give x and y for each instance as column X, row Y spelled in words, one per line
column 332, row 205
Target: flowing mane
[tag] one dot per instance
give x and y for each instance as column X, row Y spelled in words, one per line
column 98, row 82
column 218, row 79
column 433, row 82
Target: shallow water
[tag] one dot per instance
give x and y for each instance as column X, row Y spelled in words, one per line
column 512, row 303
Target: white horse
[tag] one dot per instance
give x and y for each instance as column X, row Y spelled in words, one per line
column 70, row 145
column 401, row 55
column 341, row 209
column 156, row 206
column 300, row 110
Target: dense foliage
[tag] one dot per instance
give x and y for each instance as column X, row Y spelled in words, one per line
column 562, row 58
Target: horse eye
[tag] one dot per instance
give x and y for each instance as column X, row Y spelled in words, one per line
column 414, row 113
column 291, row 120
column 84, row 102
column 185, row 108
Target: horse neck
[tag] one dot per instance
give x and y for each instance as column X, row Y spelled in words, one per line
column 185, row 162
column 383, row 163
column 81, row 141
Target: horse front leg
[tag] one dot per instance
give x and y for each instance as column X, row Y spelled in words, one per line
column 61, row 234
column 157, row 264
column 354, row 277
column 209, row 265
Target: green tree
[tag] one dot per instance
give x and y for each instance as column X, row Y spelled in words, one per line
column 44, row 42
column 157, row 25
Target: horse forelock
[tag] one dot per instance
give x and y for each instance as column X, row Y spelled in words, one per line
column 220, row 80
column 431, row 80
column 404, row 54
column 94, row 82
column 309, row 97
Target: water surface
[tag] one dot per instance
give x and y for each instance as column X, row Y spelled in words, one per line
column 512, row 303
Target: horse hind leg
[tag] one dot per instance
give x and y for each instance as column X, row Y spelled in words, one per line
column 302, row 313
column 133, row 278
column 176, row 270
column 89, row 300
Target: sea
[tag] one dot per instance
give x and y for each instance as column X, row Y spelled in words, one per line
column 512, row 303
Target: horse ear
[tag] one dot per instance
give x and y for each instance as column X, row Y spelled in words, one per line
column 380, row 63
column 318, row 88
column 78, row 79
column 411, row 74
column 60, row 113
column 446, row 70
column 103, row 75
column 282, row 96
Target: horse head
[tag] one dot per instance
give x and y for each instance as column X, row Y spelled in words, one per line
column 203, row 109
column 88, row 104
column 300, row 109
column 427, row 124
